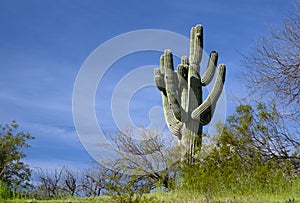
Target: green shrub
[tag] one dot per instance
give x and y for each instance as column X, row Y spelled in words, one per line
column 5, row 192
column 241, row 165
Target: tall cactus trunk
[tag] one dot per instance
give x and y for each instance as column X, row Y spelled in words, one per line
column 184, row 110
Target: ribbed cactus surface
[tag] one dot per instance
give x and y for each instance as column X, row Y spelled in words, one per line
column 185, row 111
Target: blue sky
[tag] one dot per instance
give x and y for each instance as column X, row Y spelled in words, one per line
column 43, row 44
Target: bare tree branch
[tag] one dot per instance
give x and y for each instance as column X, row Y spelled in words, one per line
column 274, row 66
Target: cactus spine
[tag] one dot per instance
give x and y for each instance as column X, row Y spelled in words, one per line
column 184, row 110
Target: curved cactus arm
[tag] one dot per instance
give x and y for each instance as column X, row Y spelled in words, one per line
column 171, row 85
column 159, row 76
column 159, row 80
column 205, row 111
column 174, row 125
column 211, row 68
column 196, row 44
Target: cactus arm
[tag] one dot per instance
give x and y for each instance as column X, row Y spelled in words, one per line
column 162, row 64
column 196, row 45
column 184, row 60
column 205, row 111
column 159, row 80
column 182, row 74
column 159, row 76
column 173, row 124
column 171, row 85
column 211, row 68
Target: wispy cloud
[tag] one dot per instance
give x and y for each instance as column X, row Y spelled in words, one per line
column 57, row 163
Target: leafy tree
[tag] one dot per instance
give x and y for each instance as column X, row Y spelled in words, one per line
column 265, row 129
column 13, row 172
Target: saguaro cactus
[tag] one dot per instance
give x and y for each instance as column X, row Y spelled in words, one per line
column 184, row 110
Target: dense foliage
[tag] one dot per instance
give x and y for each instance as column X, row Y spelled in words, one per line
column 244, row 163
column 13, row 172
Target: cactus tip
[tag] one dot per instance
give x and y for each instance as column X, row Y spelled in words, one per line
column 168, row 51
column 199, row 28
column 222, row 67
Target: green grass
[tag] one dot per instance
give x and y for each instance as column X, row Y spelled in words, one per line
column 181, row 196
column 289, row 194
column 177, row 196
column 101, row 199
